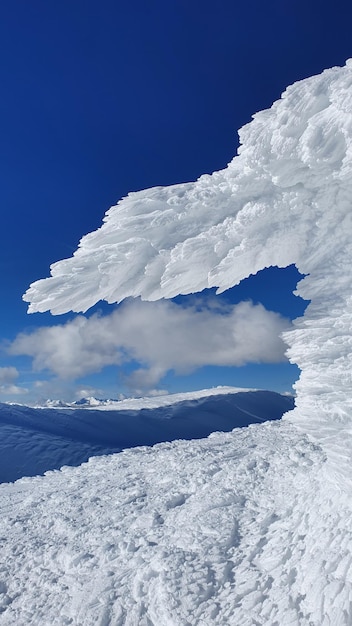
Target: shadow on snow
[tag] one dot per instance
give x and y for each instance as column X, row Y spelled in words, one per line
column 34, row 441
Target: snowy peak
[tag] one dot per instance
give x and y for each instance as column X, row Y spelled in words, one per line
column 82, row 402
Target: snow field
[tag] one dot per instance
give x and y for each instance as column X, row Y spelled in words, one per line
column 33, row 441
column 238, row 529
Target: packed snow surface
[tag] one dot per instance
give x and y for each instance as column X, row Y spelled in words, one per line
column 246, row 529
column 242, row 529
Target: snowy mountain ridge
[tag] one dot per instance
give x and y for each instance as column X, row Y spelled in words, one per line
column 33, row 441
column 151, row 402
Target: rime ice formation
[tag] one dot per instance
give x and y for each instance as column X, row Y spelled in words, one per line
column 286, row 198
column 246, row 528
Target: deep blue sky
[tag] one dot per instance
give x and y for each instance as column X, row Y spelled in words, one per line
column 101, row 98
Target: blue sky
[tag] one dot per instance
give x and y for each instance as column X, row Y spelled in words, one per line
column 99, row 99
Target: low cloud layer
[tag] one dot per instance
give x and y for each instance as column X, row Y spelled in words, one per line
column 8, row 375
column 158, row 336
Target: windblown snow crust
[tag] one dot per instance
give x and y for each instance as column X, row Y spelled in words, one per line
column 285, row 198
column 240, row 529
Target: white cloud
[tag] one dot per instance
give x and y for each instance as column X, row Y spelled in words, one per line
column 12, row 390
column 71, row 350
column 160, row 336
column 57, row 389
column 8, row 375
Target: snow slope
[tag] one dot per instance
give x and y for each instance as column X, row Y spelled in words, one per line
column 242, row 529
column 33, row 441
column 248, row 528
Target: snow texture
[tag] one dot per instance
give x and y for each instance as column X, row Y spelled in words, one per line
column 242, row 529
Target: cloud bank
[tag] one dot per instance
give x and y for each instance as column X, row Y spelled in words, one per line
column 8, row 375
column 160, row 336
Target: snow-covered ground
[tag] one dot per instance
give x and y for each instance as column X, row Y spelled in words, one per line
column 33, row 441
column 251, row 528
column 244, row 528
